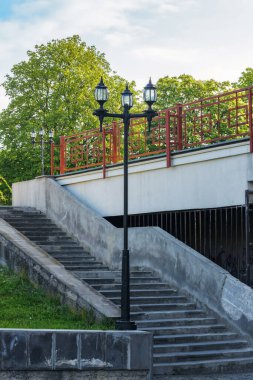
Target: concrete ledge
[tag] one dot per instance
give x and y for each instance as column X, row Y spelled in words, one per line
column 98, row 352
column 20, row 254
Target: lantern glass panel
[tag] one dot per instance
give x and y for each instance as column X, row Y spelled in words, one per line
column 127, row 99
column 101, row 94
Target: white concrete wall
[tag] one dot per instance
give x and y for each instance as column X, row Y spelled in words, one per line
column 215, row 177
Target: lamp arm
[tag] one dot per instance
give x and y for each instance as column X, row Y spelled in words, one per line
column 150, row 114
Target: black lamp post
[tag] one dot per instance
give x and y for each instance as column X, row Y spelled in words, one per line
column 42, row 143
column 150, row 96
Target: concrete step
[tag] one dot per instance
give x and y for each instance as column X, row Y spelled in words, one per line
column 44, row 233
column 63, row 246
column 202, row 355
column 44, row 229
column 140, row 292
column 152, row 300
column 98, row 274
column 70, row 259
column 194, row 337
column 201, row 367
column 67, row 252
column 163, row 307
column 183, row 329
column 50, row 236
column 203, row 346
column 168, row 314
column 142, row 325
column 29, row 222
column 140, row 286
column 143, row 280
column 88, row 267
column 231, row 365
column 92, row 281
column 52, row 240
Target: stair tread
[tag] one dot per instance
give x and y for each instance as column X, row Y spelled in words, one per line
column 201, row 362
column 193, row 335
column 203, row 353
column 176, row 319
column 200, row 344
column 172, row 297
column 185, row 327
column 167, row 304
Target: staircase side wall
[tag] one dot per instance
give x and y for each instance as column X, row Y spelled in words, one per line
column 150, row 247
column 95, row 234
column 188, row 270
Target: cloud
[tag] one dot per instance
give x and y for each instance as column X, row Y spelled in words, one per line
column 139, row 37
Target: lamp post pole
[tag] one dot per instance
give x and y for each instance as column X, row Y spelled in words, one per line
column 42, row 143
column 101, row 95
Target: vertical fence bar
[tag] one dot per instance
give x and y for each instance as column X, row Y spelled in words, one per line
column 247, row 231
column 62, row 155
column 179, row 127
column 104, row 152
column 52, row 158
column 167, row 127
column 250, row 120
column 114, row 143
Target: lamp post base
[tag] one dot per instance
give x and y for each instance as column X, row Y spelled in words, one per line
column 125, row 325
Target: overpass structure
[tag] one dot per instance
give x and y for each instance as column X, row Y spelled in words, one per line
column 191, row 175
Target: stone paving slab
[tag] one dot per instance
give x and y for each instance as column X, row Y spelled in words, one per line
column 228, row 376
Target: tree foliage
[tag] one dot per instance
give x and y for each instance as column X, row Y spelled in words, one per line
column 54, row 90
column 185, row 89
column 245, row 79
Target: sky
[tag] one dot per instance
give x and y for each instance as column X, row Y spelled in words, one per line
column 140, row 38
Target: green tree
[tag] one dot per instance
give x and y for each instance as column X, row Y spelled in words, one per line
column 5, row 191
column 185, row 89
column 54, row 90
column 245, row 79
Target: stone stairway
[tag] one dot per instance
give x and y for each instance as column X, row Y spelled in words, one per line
column 188, row 338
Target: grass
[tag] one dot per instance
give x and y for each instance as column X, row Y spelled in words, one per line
column 24, row 305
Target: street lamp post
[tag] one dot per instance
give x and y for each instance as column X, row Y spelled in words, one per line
column 42, row 143
column 150, row 96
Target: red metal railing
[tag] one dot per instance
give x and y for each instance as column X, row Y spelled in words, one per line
column 206, row 121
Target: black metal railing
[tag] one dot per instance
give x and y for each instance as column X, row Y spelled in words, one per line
column 221, row 234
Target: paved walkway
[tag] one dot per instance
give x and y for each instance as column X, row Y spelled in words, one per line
column 228, row 376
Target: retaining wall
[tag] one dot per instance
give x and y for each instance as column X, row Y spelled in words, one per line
column 73, row 355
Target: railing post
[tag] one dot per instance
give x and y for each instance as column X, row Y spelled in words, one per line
column 104, row 152
column 52, row 157
column 114, row 142
column 179, row 127
column 167, row 128
column 62, row 154
column 250, row 121
column 247, row 242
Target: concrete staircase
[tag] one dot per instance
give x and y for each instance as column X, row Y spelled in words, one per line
column 188, row 338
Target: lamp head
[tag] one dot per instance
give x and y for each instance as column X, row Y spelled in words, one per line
column 150, row 93
column 127, row 97
column 101, row 93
